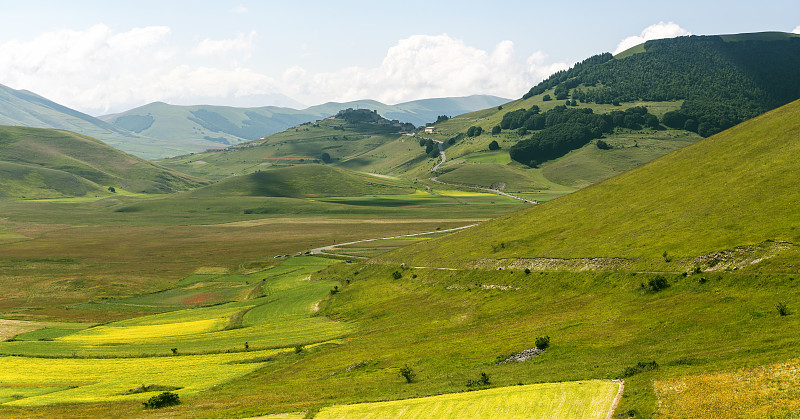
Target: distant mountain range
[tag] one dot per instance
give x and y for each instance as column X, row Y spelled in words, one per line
column 162, row 130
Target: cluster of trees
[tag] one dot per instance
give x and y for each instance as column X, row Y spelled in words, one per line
column 564, row 129
column 722, row 81
column 431, row 147
column 474, row 131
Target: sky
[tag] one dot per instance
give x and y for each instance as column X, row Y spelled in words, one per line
column 101, row 57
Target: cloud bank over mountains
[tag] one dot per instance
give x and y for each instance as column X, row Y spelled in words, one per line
column 98, row 70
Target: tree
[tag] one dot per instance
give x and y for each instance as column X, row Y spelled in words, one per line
column 542, row 342
column 408, row 373
column 496, row 130
column 494, row 146
column 474, row 131
column 111, row 189
column 326, row 157
column 602, row 145
column 442, row 118
column 546, row 98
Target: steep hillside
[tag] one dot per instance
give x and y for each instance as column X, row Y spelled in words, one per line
column 24, row 108
column 47, row 163
column 711, row 205
column 201, row 127
column 305, row 181
column 723, row 79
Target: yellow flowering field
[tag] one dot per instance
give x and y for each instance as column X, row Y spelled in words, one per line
column 92, row 380
column 766, row 391
column 586, row 399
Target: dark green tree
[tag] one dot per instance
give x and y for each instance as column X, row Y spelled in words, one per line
column 494, row 146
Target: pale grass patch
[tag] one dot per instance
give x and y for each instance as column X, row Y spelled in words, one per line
column 766, row 391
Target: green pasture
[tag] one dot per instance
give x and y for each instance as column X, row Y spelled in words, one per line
column 589, row 399
column 280, row 316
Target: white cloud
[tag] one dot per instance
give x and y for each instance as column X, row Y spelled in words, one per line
column 99, row 71
column 424, row 66
column 796, row 30
column 658, row 31
column 240, row 9
column 242, row 44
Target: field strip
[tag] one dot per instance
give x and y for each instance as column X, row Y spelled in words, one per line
column 263, row 221
column 584, row 399
column 322, row 250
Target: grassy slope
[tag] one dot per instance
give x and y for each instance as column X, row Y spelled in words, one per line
column 303, row 144
column 733, row 189
column 35, row 156
column 311, row 180
column 24, row 108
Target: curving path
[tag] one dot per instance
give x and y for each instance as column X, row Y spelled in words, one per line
column 325, row 250
column 495, row 191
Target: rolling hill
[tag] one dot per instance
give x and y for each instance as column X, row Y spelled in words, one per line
column 27, row 109
column 201, row 127
column 303, row 181
column 712, row 205
column 48, row 163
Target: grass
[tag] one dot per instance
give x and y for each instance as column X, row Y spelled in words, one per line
column 669, row 205
column 311, row 180
column 45, row 163
column 591, row 399
column 281, row 317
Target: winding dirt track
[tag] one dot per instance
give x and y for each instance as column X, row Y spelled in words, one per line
column 495, row 191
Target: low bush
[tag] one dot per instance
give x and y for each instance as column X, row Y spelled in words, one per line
column 164, row 399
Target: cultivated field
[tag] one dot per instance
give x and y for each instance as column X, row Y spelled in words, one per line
column 585, row 400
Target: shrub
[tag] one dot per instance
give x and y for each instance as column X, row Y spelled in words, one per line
column 542, row 342
column 408, row 373
column 483, row 381
column 658, row 283
column 638, row 368
column 602, row 145
column 298, row 349
column 494, row 146
column 782, row 309
column 397, row 275
column 162, row 400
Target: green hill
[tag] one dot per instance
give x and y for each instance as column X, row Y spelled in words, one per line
column 306, row 143
column 27, row 109
column 722, row 79
column 304, row 181
column 48, row 163
column 201, row 127
column 731, row 196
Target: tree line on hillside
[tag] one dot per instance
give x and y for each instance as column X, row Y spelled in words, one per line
column 722, row 83
column 563, row 129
